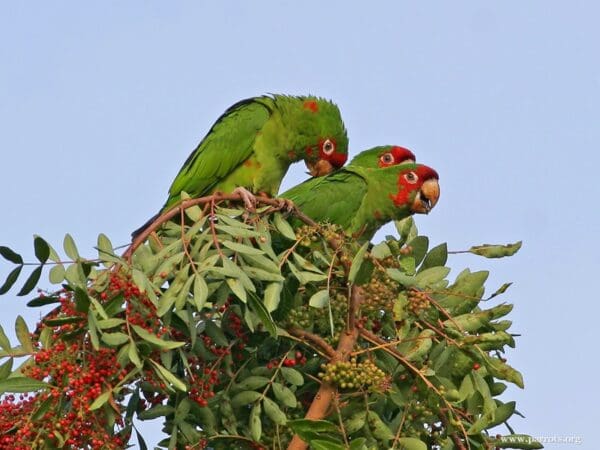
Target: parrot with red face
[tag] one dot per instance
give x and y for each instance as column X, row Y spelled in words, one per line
column 251, row 146
column 362, row 199
column 383, row 156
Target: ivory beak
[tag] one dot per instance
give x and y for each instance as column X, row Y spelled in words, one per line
column 427, row 197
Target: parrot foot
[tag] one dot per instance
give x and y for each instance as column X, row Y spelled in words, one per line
column 285, row 204
column 247, row 196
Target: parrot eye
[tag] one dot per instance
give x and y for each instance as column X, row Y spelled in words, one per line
column 386, row 159
column 411, row 177
column 328, row 147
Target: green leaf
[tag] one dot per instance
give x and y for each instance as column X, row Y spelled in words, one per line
column 320, row 299
column 200, row 292
column 358, row 444
column 4, row 342
column 404, row 280
column 283, row 227
column 503, row 371
column 93, row 331
column 31, row 281
column 381, row 250
column 6, row 368
column 63, row 321
column 10, row 279
column 110, row 323
column 496, row 251
column 272, row 296
column 82, row 300
column 237, row 231
column 215, row 333
column 57, row 274
column 11, row 256
column 501, row 290
column 263, row 314
column 255, row 423
column 274, row 412
column 41, row 249
column 139, row 279
column 263, row 275
column 23, row 334
column 437, row 256
column 21, row 384
column 431, row 276
column 242, row 248
column 114, row 339
column 43, row 300
column 492, row 418
column 378, row 427
column 409, row 443
column 322, row 444
column 245, row 398
column 156, row 411
column 70, row 247
column 237, row 288
column 105, row 247
column 153, row 339
column 133, row 355
column 100, row 400
column 168, row 376
column 292, row 376
column 357, row 262
column 302, row 426
column 419, row 245
column 406, row 229
column 284, row 395
column 355, row 422
column 252, row 383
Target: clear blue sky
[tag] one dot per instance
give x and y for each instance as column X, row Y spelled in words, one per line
column 101, row 102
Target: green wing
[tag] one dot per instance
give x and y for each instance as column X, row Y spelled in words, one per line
column 227, row 145
column 334, row 198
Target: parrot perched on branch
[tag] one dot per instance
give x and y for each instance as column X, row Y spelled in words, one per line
column 251, row 146
column 362, row 199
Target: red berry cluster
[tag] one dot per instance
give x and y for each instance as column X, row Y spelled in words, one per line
column 77, row 375
column 298, row 360
column 202, row 388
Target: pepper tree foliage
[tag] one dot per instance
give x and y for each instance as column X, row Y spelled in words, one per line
column 237, row 331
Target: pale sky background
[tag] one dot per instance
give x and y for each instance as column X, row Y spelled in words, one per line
column 101, row 102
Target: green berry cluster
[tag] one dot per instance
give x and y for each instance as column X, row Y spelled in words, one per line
column 311, row 234
column 354, row 375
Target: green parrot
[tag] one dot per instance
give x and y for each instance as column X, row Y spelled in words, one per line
column 383, row 156
column 251, row 146
column 362, row 199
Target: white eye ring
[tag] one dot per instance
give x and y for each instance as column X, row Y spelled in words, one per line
column 411, row 177
column 387, row 158
column 328, row 147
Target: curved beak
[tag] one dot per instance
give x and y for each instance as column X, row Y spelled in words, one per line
column 426, row 197
column 319, row 168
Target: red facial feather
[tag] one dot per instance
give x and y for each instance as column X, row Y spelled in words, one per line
column 405, row 188
column 336, row 159
column 402, row 154
column 311, row 105
column 399, row 155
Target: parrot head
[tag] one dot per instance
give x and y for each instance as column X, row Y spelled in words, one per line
column 383, row 156
column 322, row 140
column 418, row 188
